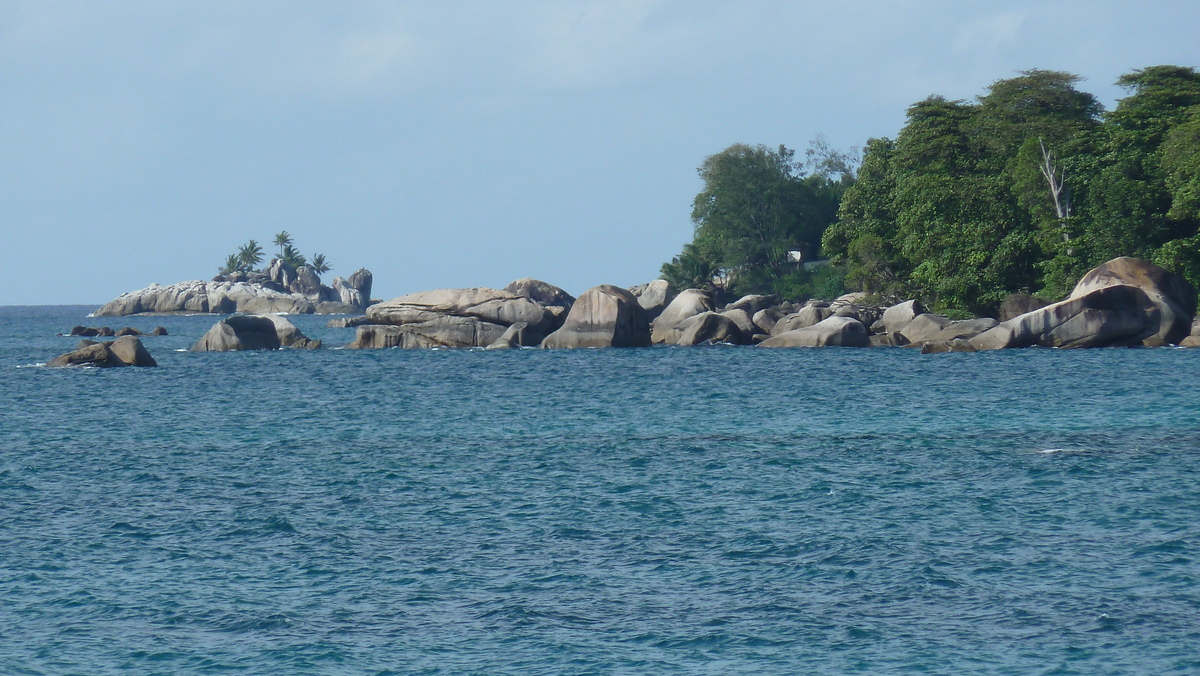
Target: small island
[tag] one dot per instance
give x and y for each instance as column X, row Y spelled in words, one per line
column 289, row 284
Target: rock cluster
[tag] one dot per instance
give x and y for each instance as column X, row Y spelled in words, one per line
column 124, row 351
column 281, row 289
column 253, row 332
column 473, row 317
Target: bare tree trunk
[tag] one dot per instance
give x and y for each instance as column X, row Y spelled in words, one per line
column 1059, row 192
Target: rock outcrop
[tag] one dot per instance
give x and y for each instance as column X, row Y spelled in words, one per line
column 1173, row 295
column 543, row 292
column 654, row 297
column 124, row 351
column 280, row 290
column 833, row 331
column 440, row 331
column 252, row 332
column 488, row 311
column 1124, row 302
column 688, row 304
column 1107, row 317
column 708, row 328
column 604, row 316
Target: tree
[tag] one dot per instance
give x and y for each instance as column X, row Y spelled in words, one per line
column 290, row 255
column 249, row 255
column 753, row 210
column 232, row 264
column 283, row 239
column 319, row 264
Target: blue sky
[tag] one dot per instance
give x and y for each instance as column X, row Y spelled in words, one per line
column 444, row 144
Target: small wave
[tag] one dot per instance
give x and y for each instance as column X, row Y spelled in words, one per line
column 180, row 349
column 32, row 366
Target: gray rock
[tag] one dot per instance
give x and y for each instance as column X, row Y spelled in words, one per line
column 809, row 315
column 766, row 319
column 741, row 318
column 513, row 336
column 688, row 304
column 307, row 283
column 751, row 304
column 654, row 297
column 965, row 329
column 197, row 297
column 1110, row 316
column 128, row 331
column 499, row 308
column 124, row 351
column 542, row 292
column 440, row 331
column 336, row 308
column 709, row 328
column 361, row 280
column 1171, row 293
column 604, row 316
column 924, row 327
column 833, row 331
column 896, row 317
column 252, row 332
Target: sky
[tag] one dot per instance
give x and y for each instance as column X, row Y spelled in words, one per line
column 456, row 144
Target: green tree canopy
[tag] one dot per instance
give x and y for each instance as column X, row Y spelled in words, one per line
column 755, row 208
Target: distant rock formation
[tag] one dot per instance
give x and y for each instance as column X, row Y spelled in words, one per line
column 281, row 289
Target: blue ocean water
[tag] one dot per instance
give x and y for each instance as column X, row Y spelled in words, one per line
column 652, row 511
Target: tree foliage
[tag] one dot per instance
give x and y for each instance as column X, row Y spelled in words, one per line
column 1025, row 189
column 755, row 209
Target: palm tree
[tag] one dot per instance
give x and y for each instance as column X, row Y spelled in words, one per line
column 232, row 265
column 292, row 256
column 319, row 264
column 249, row 255
column 281, row 240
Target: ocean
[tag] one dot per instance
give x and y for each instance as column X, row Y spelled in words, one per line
column 707, row 510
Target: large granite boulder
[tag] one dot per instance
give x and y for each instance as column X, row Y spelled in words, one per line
column 751, row 303
column 809, row 315
column 833, row 331
column 252, row 332
column 708, row 328
column 124, row 351
column 896, row 317
column 1171, row 293
column 307, row 283
column 439, row 331
column 963, row 330
column 687, row 304
column 604, row 316
column 543, row 292
column 654, row 297
column 1106, row 317
column 924, row 327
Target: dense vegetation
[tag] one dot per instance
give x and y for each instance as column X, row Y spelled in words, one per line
column 1024, row 189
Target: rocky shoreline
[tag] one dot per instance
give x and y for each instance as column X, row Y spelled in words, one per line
column 1122, row 303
